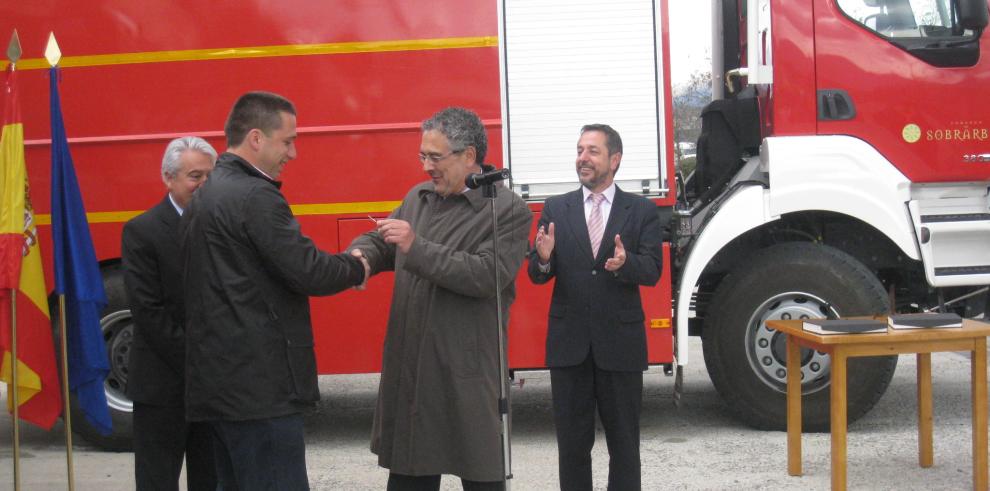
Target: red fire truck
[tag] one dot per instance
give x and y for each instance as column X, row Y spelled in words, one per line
column 842, row 169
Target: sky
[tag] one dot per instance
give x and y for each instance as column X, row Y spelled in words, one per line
column 690, row 38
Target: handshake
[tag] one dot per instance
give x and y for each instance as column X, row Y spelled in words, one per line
column 367, row 268
column 392, row 231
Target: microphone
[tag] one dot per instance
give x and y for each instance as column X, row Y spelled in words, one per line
column 475, row 181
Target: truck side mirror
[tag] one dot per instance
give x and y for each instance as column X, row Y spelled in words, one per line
column 972, row 14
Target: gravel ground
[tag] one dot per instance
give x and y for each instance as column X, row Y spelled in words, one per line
column 693, row 447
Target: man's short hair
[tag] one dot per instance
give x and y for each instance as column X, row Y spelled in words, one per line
column 259, row 110
column 463, row 128
column 175, row 148
column 612, row 139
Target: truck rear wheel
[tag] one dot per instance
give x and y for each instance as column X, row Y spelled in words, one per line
column 117, row 327
column 747, row 361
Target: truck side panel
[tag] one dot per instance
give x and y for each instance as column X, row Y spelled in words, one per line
column 363, row 75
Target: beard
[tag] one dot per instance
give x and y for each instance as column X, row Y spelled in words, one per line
column 592, row 178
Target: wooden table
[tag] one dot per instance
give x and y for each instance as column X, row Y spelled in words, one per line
column 972, row 337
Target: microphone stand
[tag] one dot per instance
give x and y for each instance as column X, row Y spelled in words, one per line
column 489, row 191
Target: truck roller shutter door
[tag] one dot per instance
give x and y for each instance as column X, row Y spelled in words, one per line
column 568, row 63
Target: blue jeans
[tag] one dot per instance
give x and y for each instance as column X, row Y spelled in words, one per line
column 261, row 454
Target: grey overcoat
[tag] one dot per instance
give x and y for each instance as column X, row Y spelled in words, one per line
column 437, row 402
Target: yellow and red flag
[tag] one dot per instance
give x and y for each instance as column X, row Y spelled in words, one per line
column 37, row 384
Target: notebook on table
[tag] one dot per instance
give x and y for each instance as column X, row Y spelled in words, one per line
column 844, row 326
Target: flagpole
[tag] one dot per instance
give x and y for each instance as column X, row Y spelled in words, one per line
column 12, row 388
column 53, row 55
column 14, row 54
column 65, row 391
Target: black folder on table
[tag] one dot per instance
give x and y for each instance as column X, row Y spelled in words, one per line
column 924, row 320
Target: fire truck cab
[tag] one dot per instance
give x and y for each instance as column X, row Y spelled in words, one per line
column 843, row 171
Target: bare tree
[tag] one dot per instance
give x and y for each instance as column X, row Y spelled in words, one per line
column 688, row 100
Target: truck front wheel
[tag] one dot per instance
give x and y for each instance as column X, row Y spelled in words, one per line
column 747, row 361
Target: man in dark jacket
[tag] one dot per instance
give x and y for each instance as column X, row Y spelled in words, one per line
column 250, row 365
column 437, row 410
column 601, row 244
column 156, row 363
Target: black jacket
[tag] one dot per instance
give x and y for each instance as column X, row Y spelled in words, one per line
column 248, row 272
column 152, row 274
column 591, row 308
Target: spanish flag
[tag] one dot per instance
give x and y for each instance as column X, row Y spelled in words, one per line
column 38, row 390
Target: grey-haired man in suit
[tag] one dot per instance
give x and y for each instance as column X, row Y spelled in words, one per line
column 156, row 367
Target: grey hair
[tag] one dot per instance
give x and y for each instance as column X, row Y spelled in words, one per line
column 463, row 128
column 170, row 161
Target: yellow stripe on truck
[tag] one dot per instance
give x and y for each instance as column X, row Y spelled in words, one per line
column 263, row 52
column 357, row 207
column 345, row 208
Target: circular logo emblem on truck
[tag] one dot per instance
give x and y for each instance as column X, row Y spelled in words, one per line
column 911, row 133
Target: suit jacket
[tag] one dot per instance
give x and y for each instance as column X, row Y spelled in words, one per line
column 153, row 276
column 593, row 309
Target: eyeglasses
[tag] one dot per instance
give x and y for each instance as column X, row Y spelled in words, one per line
column 436, row 158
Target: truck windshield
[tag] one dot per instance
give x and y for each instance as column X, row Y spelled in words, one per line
column 927, row 29
column 905, row 18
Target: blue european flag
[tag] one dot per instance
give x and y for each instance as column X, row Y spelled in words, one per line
column 77, row 276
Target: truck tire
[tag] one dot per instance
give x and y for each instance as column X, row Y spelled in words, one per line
column 118, row 330
column 747, row 361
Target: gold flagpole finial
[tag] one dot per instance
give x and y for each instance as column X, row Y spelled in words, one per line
column 14, row 48
column 52, row 53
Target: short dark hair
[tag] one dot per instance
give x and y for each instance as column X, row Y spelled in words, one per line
column 612, row 139
column 463, row 128
column 259, row 110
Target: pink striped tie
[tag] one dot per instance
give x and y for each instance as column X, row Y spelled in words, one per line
column 595, row 226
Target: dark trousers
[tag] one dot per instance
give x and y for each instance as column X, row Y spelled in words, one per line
column 261, row 454
column 577, row 390
column 401, row 482
column 161, row 438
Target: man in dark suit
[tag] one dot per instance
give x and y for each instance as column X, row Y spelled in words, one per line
column 596, row 340
column 153, row 275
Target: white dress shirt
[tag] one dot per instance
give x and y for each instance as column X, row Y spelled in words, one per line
column 606, row 205
column 174, row 204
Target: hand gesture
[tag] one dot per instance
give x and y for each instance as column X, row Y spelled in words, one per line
column 544, row 243
column 367, row 268
column 397, row 232
column 615, row 262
